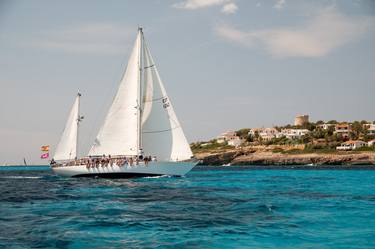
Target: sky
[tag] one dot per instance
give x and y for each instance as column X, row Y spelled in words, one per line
column 226, row 64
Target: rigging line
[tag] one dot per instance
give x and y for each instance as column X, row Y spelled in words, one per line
column 162, row 130
column 149, row 66
column 153, row 100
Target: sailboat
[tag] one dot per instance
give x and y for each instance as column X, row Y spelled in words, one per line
column 140, row 136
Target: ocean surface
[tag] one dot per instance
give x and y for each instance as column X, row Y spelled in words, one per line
column 212, row 207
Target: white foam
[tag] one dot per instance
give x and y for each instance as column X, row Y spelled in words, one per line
column 21, row 177
column 162, row 176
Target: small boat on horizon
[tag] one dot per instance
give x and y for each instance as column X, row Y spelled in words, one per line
column 140, row 136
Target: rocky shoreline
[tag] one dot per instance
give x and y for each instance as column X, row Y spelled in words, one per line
column 264, row 158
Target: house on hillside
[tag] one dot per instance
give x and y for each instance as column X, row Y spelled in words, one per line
column 226, row 136
column 294, row 133
column 265, row 133
column 343, row 129
column 351, row 145
column 371, row 142
column 268, row 133
column 325, row 126
column 235, row 141
column 370, row 128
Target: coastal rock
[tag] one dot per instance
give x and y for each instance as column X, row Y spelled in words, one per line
column 243, row 157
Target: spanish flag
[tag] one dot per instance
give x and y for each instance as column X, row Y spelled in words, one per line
column 45, row 148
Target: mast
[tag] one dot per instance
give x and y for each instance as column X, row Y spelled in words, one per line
column 79, row 119
column 140, row 78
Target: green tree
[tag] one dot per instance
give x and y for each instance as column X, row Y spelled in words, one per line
column 243, row 133
column 332, row 122
column 357, row 129
column 309, row 126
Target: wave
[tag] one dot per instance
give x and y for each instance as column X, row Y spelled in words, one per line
column 21, row 177
column 155, row 177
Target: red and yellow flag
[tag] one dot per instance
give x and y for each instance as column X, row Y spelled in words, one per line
column 45, row 148
column 44, row 156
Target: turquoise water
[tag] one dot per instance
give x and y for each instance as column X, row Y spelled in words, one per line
column 221, row 207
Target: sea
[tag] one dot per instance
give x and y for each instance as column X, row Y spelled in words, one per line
column 211, row 207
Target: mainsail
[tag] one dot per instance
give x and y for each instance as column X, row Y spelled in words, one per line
column 67, row 146
column 118, row 135
column 141, row 115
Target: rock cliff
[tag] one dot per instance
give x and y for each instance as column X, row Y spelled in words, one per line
column 255, row 157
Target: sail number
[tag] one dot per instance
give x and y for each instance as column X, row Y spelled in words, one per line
column 166, row 103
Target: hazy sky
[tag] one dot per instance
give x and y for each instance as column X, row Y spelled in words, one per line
column 226, row 64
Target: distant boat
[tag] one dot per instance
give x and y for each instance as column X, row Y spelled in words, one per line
column 140, row 136
column 24, row 162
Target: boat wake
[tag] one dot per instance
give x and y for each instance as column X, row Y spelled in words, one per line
column 156, row 177
column 21, row 177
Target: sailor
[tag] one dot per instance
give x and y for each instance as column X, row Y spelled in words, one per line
column 140, row 157
column 53, row 162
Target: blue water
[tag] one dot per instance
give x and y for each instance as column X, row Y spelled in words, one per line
column 221, row 207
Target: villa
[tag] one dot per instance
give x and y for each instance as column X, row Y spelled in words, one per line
column 226, row 136
column 265, row 133
column 236, row 142
column 343, row 129
column 294, row 133
column 325, row 126
column 371, row 143
column 370, row 128
column 351, row 145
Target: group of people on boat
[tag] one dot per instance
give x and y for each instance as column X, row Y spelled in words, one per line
column 104, row 161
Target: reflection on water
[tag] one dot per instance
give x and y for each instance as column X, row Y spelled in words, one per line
column 209, row 208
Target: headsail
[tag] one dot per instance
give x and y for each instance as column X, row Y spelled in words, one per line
column 119, row 135
column 67, row 147
column 162, row 134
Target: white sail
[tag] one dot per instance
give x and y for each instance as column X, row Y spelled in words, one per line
column 119, row 133
column 162, row 134
column 67, row 146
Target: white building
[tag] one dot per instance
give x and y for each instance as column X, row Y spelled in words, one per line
column 370, row 128
column 371, row 142
column 265, row 133
column 351, row 145
column 268, row 133
column 226, row 136
column 236, row 142
column 343, row 129
column 325, row 126
column 294, row 133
